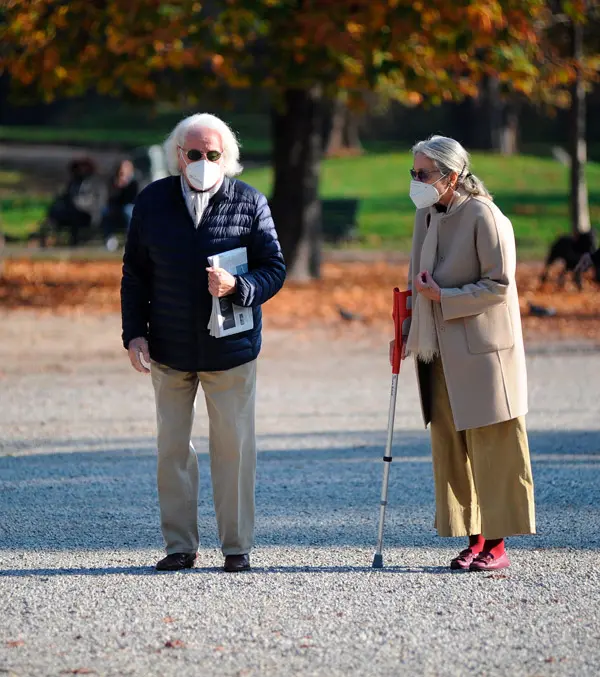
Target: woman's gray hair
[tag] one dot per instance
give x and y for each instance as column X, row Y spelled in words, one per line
column 449, row 156
column 231, row 147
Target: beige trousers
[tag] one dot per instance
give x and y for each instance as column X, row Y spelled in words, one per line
column 483, row 481
column 230, row 400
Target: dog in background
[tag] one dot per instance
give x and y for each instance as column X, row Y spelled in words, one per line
column 569, row 249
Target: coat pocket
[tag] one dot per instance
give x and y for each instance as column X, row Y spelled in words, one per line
column 490, row 331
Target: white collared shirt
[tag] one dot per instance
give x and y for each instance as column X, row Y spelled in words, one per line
column 196, row 201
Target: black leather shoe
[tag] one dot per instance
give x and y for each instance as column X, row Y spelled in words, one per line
column 237, row 563
column 176, row 561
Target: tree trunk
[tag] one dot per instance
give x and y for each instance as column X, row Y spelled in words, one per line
column 503, row 120
column 481, row 117
column 465, row 122
column 333, row 140
column 351, row 132
column 297, row 130
column 495, row 109
column 341, row 133
column 509, row 133
column 580, row 211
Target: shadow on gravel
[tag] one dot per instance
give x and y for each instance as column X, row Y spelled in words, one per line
column 280, row 570
column 322, row 491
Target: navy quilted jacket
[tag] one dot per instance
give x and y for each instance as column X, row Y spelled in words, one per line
column 164, row 289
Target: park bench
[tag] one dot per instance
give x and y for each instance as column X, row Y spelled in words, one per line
column 339, row 216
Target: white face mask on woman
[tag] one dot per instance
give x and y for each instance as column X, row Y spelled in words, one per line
column 425, row 194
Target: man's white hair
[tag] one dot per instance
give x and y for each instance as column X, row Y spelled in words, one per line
column 231, row 148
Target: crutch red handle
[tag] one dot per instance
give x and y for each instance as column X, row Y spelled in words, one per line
column 400, row 312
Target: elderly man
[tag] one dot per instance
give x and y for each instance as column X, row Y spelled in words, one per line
column 166, row 303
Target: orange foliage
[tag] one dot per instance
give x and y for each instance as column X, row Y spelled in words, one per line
column 363, row 289
column 431, row 49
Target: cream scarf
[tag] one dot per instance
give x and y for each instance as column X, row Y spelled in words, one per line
column 196, row 201
column 422, row 337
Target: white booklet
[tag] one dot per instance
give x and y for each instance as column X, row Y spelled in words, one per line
column 226, row 318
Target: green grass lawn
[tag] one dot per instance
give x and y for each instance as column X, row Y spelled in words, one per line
column 20, row 210
column 127, row 137
column 150, row 129
column 122, row 138
column 532, row 191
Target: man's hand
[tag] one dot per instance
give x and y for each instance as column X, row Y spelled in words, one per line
column 138, row 348
column 585, row 263
column 220, row 282
column 427, row 286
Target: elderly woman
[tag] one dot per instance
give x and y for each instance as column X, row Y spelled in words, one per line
column 466, row 336
column 166, row 298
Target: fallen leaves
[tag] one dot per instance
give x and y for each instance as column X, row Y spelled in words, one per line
column 60, row 285
column 350, row 293
column 174, row 644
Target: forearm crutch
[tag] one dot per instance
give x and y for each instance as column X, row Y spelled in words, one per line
column 401, row 312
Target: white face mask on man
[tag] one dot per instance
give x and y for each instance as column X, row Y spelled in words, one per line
column 203, row 174
column 425, row 194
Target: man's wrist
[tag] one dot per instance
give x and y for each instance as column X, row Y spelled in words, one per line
column 234, row 288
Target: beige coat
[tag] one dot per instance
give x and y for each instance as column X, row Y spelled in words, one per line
column 478, row 321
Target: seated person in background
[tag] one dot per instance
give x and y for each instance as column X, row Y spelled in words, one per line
column 78, row 207
column 123, row 189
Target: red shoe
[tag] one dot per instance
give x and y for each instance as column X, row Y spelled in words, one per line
column 464, row 559
column 485, row 561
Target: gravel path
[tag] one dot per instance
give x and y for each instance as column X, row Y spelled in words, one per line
column 79, row 524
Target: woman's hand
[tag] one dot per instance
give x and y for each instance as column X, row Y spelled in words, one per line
column 402, row 350
column 426, row 285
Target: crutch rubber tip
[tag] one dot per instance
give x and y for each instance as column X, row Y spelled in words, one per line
column 377, row 561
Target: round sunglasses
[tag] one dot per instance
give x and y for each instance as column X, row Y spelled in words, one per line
column 193, row 155
column 423, row 174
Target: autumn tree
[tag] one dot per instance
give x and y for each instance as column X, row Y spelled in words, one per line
column 579, row 205
column 582, row 25
column 299, row 53
column 569, row 65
